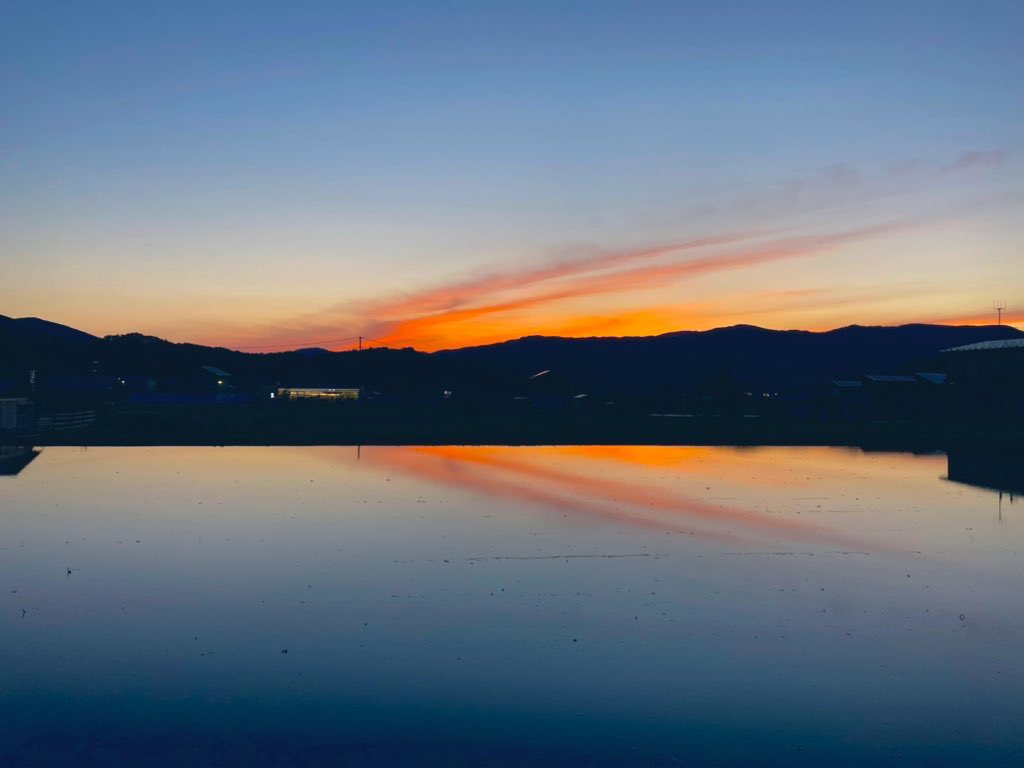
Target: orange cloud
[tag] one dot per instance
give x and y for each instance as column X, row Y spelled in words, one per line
column 448, row 297
column 476, row 324
column 545, row 299
column 396, row 321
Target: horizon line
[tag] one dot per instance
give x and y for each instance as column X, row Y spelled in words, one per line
column 316, row 345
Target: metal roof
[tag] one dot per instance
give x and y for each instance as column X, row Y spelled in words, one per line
column 932, row 378
column 320, row 389
column 847, row 383
column 215, row 371
column 983, row 345
column 890, row 378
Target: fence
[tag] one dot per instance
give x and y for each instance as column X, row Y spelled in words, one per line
column 66, row 420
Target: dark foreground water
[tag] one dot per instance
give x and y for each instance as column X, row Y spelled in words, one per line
column 507, row 606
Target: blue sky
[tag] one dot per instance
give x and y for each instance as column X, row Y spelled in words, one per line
column 255, row 173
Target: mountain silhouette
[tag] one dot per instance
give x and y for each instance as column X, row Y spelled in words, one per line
column 30, row 339
column 756, row 359
column 743, row 356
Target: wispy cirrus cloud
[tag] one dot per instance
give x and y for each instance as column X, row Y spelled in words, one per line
column 842, row 185
column 466, row 299
column 484, row 308
column 461, row 292
column 434, row 330
column 552, row 297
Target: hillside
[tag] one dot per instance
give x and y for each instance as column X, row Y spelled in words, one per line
column 747, row 357
column 754, row 358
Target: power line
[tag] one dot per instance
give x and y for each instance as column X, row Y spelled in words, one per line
column 294, row 345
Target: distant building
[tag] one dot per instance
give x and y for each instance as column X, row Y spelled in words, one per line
column 317, row 393
column 132, row 384
column 995, row 470
column 988, row 362
column 935, row 379
column 88, row 390
column 893, row 396
column 847, row 400
column 888, row 396
column 14, row 458
column 888, row 379
column 213, row 383
column 215, row 377
column 988, row 378
column 17, row 416
column 1000, row 345
column 87, row 384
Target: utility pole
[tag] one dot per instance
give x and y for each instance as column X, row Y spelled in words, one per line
column 999, row 305
column 362, row 383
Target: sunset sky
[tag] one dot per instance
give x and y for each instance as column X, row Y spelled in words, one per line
column 276, row 175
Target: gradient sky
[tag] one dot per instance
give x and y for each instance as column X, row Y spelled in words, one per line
column 271, row 175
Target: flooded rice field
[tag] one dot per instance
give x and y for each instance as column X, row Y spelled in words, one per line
column 457, row 606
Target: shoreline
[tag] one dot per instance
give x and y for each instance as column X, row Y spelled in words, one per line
column 359, row 425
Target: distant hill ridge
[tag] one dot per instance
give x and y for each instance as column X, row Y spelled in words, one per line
column 755, row 358
column 34, row 327
column 758, row 358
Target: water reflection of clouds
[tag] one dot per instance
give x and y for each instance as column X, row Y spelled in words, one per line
column 575, row 480
column 410, row 581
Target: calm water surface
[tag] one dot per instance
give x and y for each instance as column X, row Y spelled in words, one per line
column 507, row 606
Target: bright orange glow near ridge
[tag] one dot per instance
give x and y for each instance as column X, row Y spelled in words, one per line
column 987, row 318
column 456, row 178
column 807, row 257
column 783, row 271
column 487, row 322
column 623, row 293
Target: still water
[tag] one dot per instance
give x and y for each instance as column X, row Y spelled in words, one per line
column 507, row 606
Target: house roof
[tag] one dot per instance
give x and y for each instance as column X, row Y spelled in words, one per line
column 321, row 388
column 215, row 371
column 890, row 378
column 847, row 383
column 932, row 378
column 987, row 345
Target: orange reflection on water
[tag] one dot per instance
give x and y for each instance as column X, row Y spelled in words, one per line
column 461, row 472
column 576, row 479
column 728, row 465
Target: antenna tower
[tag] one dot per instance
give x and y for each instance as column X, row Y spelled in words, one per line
column 999, row 305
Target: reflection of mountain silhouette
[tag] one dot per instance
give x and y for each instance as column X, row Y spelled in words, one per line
column 985, row 468
column 14, row 458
